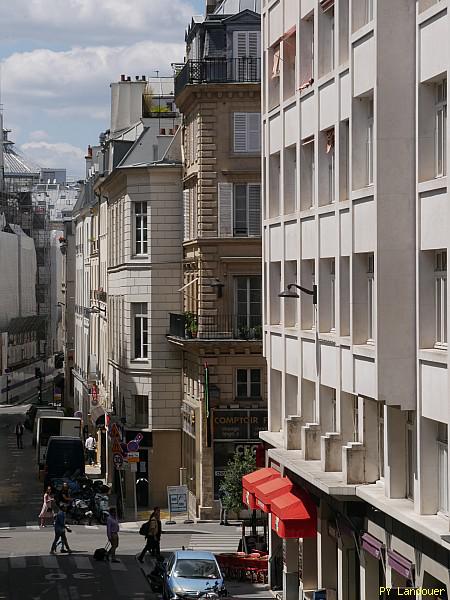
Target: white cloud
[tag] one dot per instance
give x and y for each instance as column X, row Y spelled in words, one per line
column 76, row 82
column 111, row 22
column 37, row 135
column 55, row 155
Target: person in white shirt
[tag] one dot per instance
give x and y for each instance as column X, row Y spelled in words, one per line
column 90, row 448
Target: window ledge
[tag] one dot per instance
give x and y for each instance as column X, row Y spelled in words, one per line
column 433, row 355
column 431, row 185
column 362, row 32
column 364, row 192
column 430, row 12
column 367, row 350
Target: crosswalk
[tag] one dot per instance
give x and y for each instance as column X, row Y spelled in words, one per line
column 216, row 542
column 33, row 526
column 56, row 562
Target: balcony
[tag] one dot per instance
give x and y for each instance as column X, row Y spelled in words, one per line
column 218, row 70
column 190, row 326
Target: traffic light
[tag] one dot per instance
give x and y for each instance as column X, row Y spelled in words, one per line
column 38, row 375
column 37, row 372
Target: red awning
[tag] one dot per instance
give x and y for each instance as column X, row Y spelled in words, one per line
column 251, row 480
column 294, row 515
column 267, row 491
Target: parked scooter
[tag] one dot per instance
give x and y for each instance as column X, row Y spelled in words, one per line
column 156, row 576
column 80, row 510
column 101, row 508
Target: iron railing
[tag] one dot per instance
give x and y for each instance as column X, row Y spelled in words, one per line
column 218, row 70
column 215, row 327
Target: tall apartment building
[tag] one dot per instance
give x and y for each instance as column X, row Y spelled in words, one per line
column 219, row 333
column 355, row 203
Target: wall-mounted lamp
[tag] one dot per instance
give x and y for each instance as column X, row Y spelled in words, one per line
column 217, row 285
column 290, row 292
column 94, row 310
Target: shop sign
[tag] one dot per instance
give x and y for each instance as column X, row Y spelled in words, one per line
column 239, row 424
column 177, row 497
column 133, row 457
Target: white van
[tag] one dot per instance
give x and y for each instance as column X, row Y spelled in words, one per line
column 51, row 427
column 41, row 412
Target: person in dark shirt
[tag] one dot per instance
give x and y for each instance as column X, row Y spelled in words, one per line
column 60, row 532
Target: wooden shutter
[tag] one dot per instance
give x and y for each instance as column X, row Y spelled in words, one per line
column 254, row 209
column 225, row 192
column 240, row 44
column 253, row 44
column 186, row 215
column 254, row 132
column 240, row 132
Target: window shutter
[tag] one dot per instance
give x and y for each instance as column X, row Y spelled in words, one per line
column 253, row 44
column 186, row 211
column 225, row 191
column 240, row 132
column 240, row 44
column 254, row 132
column 254, row 209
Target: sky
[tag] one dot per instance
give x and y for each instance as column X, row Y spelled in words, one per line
column 58, row 58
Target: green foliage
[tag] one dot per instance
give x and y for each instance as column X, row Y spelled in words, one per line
column 231, row 487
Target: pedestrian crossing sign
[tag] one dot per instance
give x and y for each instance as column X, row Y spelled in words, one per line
column 116, row 447
column 115, row 433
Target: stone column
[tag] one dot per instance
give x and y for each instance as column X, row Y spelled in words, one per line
column 369, row 577
column 290, row 569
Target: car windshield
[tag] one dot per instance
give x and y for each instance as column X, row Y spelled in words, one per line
column 196, row 568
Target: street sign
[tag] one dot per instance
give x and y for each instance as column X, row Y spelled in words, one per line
column 177, row 496
column 117, row 460
column 116, row 447
column 115, row 433
column 133, row 457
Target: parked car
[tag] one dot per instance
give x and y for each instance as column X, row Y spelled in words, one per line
column 44, row 412
column 191, row 573
column 51, row 425
column 30, row 415
column 65, row 456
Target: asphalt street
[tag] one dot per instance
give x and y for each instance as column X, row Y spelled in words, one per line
column 29, row 572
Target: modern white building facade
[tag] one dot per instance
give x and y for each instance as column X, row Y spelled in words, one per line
column 355, row 202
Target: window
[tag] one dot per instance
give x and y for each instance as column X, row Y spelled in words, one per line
column 441, row 129
column 442, row 443
column 246, row 54
column 313, row 283
column 141, row 411
column 381, row 440
column 355, row 419
column 307, row 174
column 140, row 330
column 276, row 62
column 248, row 383
column 330, row 154
column 370, row 299
column 190, row 213
column 369, row 144
column 140, row 224
column 332, row 297
column 440, row 302
column 247, row 132
column 333, row 411
column 239, row 209
column 369, row 11
column 248, row 303
column 410, row 455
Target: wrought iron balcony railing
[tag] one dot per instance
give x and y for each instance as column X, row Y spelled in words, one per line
column 215, row 327
column 218, row 70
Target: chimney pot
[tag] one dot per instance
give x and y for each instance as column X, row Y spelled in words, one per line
column 122, row 78
column 136, row 77
column 128, row 78
column 144, row 78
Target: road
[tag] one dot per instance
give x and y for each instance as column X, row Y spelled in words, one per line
column 29, row 572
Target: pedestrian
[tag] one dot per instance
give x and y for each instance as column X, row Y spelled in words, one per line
column 63, row 497
column 153, row 536
column 112, row 531
column 47, row 507
column 19, row 434
column 223, row 508
column 60, row 532
column 90, row 449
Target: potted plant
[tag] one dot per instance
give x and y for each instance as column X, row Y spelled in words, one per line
column 194, row 328
column 189, row 319
column 244, row 333
column 256, row 332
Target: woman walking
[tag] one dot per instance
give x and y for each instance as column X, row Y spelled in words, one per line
column 153, row 536
column 112, row 531
column 47, row 507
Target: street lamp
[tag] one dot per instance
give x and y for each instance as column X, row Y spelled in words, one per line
column 94, row 310
column 290, row 292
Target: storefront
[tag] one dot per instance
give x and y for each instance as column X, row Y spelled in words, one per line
column 234, row 430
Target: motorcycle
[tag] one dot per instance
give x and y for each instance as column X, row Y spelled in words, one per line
column 156, row 576
column 101, row 508
column 80, row 510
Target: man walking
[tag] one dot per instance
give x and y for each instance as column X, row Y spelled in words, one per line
column 112, row 531
column 19, row 434
column 90, row 449
column 60, row 532
column 223, row 508
column 153, row 537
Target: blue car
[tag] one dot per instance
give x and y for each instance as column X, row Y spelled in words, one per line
column 190, row 574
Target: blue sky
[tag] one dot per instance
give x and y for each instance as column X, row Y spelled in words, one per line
column 59, row 56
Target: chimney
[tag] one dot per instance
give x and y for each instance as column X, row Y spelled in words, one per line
column 122, row 78
column 89, row 152
column 128, row 78
column 144, row 78
column 211, row 6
